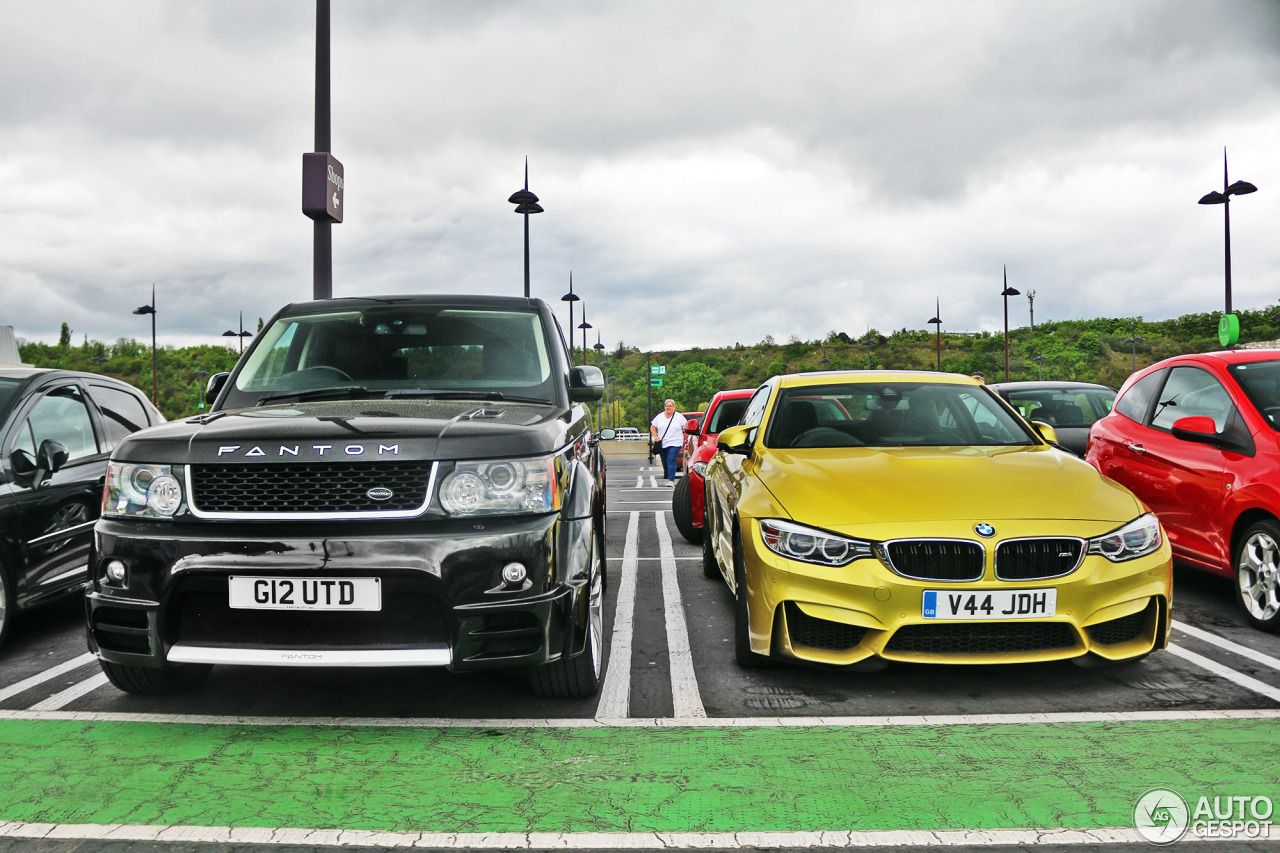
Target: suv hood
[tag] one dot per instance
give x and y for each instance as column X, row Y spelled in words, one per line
column 351, row 430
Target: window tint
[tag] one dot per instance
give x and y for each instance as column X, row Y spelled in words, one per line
column 1192, row 392
column 726, row 414
column 61, row 415
column 1062, row 407
column 1260, row 381
column 1136, row 402
column 122, row 413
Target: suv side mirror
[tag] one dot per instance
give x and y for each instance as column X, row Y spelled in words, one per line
column 216, row 381
column 586, row 383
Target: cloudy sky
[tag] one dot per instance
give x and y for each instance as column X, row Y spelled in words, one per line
column 712, row 172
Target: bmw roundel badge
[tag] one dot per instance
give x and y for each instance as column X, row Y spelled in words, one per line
column 379, row 494
column 986, row 531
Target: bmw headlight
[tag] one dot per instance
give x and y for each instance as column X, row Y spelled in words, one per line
column 1138, row 538
column 141, row 491
column 809, row 545
column 501, row 487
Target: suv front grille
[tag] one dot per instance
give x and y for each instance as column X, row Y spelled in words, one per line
column 310, row 489
column 936, row 559
column 1037, row 559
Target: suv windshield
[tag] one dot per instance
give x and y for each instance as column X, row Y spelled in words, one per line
column 399, row 350
column 892, row 414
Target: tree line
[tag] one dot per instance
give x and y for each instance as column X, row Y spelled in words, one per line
column 1103, row 350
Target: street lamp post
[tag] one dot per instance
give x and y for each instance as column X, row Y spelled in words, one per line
column 151, row 309
column 1224, row 198
column 1133, row 341
column 936, row 319
column 242, row 334
column 584, row 325
column 1006, row 293
column 1040, row 365
column 571, row 298
column 526, row 203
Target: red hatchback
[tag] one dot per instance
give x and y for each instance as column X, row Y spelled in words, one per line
column 699, row 446
column 1197, row 438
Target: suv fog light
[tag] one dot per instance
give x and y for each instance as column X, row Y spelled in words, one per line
column 513, row 574
column 115, row 571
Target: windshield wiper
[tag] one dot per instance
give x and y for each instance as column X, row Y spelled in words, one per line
column 341, row 392
column 427, row 394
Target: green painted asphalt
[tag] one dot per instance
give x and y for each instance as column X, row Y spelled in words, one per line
column 701, row 779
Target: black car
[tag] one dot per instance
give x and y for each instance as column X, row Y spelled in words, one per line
column 381, row 481
column 1069, row 407
column 57, row 429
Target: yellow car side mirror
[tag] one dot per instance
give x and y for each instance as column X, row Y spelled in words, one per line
column 735, row 439
column 1047, row 432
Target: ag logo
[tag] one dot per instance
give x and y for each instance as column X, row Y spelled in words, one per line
column 379, row 494
column 1161, row 816
column 986, row 531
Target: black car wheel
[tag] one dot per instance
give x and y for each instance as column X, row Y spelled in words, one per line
column 578, row 677
column 1258, row 575
column 144, row 681
column 682, row 511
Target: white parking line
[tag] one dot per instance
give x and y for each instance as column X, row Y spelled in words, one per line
column 810, row 839
column 42, row 677
column 1223, row 643
column 1272, row 693
column 72, row 693
column 687, row 701
column 615, row 694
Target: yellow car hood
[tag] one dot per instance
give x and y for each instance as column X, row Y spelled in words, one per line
column 838, row 488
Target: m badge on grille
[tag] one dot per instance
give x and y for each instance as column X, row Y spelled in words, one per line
column 379, row 494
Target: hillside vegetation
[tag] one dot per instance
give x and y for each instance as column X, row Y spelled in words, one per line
column 1084, row 350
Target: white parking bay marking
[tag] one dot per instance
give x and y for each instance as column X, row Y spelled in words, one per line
column 1223, row 643
column 615, row 695
column 1226, row 672
column 72, row 693
column 684, row 684
column 42, row 677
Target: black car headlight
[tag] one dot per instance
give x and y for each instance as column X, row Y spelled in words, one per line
column 501, row 487
column 141, row 491
column 810, row 545
column 1138, row 538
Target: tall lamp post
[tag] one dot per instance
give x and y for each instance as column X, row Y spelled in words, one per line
column 242, row 334
column 1006, row 293
column 571, row 298
column 151, row 309
column 526, row 203
column 937, row 334
column 584, row 325
column 1133, row 341
column 1224, row 198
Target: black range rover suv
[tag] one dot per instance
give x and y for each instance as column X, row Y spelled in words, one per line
column 381, row 481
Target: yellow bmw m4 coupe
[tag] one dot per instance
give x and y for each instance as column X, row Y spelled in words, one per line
column 861, row 517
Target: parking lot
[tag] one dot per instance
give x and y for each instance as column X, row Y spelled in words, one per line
column 682, row 747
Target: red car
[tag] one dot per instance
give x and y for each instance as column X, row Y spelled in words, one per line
column 699, row 446
column 1196, row 438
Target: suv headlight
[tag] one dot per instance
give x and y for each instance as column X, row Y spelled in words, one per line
column 501, row 487
column 141, row 491
column 810, row 545
column 1138, row 538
